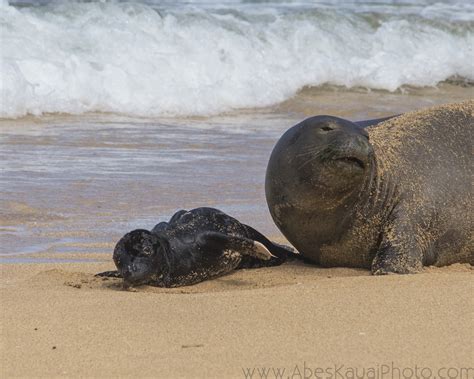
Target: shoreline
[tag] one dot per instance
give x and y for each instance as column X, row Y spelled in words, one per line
column 454, row 90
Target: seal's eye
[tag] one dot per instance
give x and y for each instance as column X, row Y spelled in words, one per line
column 327, row 128
column 147, row 250
column 353, row 161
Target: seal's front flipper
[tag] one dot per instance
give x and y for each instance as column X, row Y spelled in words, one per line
column 109, row 274
column 214, row 242
column 399, row 251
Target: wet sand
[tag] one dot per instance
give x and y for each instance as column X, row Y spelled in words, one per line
column 72, row 185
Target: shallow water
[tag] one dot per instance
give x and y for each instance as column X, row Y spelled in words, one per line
column 75, row 184
column 71, row 186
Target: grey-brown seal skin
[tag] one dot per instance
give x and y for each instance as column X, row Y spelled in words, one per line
column 392, row 197
column 193, row 246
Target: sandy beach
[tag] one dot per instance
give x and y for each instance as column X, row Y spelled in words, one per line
column 60, row 321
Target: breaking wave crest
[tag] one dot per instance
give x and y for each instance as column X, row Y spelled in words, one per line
column 150, row 59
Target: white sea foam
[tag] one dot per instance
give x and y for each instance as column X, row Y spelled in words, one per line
column 201, row 59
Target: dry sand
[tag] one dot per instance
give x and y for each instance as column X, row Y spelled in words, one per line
column 60, row 321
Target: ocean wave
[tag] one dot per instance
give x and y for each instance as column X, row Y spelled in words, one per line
column 162, row 59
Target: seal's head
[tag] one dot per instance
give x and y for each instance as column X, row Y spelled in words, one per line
column 139, row 257
column 315, row 173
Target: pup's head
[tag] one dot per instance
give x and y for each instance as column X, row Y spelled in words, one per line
column 138, row 257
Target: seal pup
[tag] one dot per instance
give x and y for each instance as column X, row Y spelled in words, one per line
column 392, row 197
column 193, row 246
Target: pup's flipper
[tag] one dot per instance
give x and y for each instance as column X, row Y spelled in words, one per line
column 281, row 253
column 109, row 274
column 214, row 242
column 277, row 250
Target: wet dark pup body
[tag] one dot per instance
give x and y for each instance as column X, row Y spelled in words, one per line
column 393, row 197
column 193, row 246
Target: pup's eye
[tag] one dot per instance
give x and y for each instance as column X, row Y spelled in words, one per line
column 327, row 128
column 147, row 250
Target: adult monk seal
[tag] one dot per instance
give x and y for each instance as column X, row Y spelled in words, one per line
column 193, row 246
column 393, row 197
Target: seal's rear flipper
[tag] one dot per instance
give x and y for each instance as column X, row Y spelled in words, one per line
column 280, row 251
column 218, row 242
column 109, row 274
column 261, row 251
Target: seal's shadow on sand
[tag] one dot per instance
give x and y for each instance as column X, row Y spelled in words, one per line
column 288, row 274
column 293, row 273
